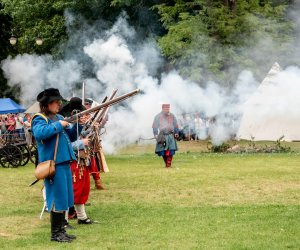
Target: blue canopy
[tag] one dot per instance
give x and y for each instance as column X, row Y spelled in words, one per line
column 7, row 105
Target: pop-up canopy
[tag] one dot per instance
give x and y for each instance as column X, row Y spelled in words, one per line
column 7, row 106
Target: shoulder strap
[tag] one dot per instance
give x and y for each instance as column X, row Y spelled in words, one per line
column 40, row 114
column 56, row 145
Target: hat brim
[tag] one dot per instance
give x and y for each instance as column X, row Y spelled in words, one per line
column 54, row 98
column 68, row 108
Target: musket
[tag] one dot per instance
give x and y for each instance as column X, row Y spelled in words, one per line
column 96, row 142
column 109, row 103
column 99, row 117
column 116, row 100
column 90, row 121
column 98, row 151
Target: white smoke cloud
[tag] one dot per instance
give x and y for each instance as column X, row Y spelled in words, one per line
column 120, row 62
column 119, row 66
column 34, row 73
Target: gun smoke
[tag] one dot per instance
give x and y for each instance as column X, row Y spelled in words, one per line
column 119, row 60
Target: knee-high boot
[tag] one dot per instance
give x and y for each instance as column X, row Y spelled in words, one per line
column 57, row 233
column 63, row 228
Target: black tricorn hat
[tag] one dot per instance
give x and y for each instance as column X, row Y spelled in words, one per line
column 75, row 103
column 49, row 95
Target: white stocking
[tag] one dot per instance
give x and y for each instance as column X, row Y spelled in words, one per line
column 80, row 210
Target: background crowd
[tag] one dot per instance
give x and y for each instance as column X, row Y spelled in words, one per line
column 198, row 126
column 15, row 127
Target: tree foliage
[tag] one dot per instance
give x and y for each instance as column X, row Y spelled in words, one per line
column 5, row 27
column 215, row 39
column 203, row 39
column 37, row 18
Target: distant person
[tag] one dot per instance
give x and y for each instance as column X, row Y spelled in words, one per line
column 165, row 130
column 19, row 127
column 10, row 126
column 27, row 128
column 88, row 103
column 2, row 125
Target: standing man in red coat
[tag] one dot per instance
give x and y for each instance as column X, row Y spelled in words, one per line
column 80, row 166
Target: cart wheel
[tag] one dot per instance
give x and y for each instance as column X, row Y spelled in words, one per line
column 33, row 154
column 25, row 155
column 10, row 156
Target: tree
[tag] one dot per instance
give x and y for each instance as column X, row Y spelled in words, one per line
column 5, row 27
column 214, row 39
column 142, row 16
column 37, row 18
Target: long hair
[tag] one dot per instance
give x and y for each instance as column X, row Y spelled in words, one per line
column 44, row 108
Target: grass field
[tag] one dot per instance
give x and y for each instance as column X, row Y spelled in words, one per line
column 206, row 201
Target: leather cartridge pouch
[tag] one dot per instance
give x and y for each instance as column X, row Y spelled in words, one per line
column 46, row 169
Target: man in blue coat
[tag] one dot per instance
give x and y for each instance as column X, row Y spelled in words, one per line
column 59, row 191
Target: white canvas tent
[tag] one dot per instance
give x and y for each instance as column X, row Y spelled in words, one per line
column 265, row 114
column 34, row 108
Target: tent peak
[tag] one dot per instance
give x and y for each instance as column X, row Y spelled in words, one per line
column 275, row 69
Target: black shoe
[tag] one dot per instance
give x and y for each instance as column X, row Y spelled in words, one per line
column 86, row 221
column 70, row 236
column 61, row 237
column 67, row 226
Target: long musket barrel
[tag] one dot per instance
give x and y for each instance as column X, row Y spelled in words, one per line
column 101, row 114
column 103, row 105
column 92, row 118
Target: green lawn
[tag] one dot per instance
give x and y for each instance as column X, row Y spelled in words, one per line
column 206, row 201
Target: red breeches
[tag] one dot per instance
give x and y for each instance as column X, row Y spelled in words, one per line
column 81, row 183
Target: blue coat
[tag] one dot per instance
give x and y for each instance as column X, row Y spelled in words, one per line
column 45, row 135
column 59, row 190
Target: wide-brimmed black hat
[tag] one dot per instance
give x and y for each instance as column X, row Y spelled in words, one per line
column 75, row 103
column 49, row 95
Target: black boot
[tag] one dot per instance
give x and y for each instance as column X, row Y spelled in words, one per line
column 66, row 225
column 57, row 233
column 70, row 236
